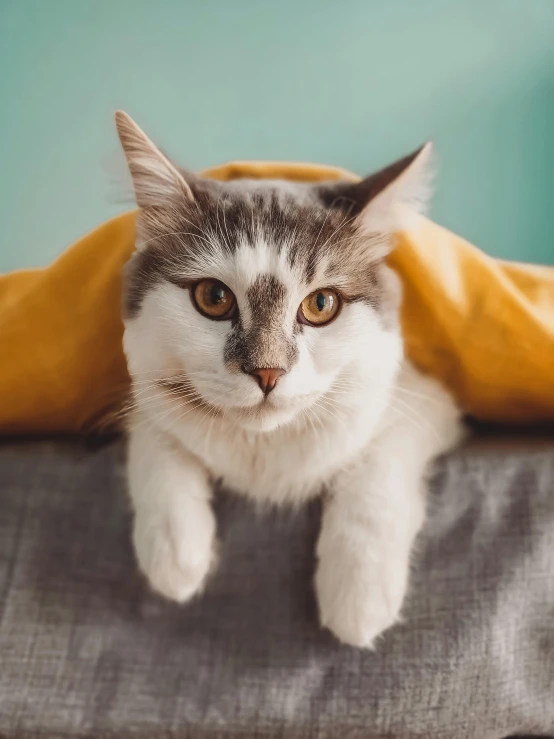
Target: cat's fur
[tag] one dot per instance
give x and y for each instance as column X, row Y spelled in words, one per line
column 351, row 419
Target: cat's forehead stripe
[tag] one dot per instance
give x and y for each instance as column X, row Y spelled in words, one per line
column 244, row 230
column 265, row 339
column 283, row 215
column 267, row 299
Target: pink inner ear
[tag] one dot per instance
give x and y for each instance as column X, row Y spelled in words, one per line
column 365, row 191
column 408, row 178
column 156, row 180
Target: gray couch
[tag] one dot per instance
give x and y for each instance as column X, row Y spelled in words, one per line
column 87, row 651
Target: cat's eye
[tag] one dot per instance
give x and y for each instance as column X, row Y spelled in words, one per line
column 214, row 300
column 320, row 307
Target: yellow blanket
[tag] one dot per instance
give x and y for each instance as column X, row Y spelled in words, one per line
column 484, row 327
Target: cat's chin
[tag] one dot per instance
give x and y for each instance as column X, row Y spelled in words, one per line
column 263, row 419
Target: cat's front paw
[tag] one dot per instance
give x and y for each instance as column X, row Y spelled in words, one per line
column 176, row 562
column 357, row 600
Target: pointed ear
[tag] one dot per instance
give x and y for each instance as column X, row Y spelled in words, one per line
column 155, row 179
column 387, row 200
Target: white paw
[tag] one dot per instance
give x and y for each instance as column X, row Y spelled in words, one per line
column 358, row 600
column 175, row 560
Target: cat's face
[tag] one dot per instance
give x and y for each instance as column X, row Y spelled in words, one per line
column 262, row 301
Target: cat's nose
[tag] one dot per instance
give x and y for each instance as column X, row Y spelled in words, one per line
column 267, row 377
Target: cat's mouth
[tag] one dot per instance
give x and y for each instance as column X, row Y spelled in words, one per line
column 270, row 413
column 266, row 413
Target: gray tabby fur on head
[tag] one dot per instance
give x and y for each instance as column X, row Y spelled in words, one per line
column 272, row 243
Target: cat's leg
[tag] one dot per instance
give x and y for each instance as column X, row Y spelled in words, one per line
column 368, row 528
column 372, row 515
column 174, row 525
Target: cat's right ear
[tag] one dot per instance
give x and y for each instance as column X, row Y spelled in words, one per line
column 386, row 201
column 156, row 180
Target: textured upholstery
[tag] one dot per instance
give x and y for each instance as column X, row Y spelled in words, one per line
column 86, row 650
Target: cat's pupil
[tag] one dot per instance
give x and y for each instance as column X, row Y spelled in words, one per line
column 217, row 294
column 320, row 301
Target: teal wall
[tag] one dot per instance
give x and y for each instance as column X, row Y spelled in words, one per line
column 354, row 83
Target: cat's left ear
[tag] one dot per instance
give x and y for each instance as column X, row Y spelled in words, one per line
column 387, row 200
column 156, row 180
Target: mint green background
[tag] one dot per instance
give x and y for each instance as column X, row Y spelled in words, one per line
column 355, row 83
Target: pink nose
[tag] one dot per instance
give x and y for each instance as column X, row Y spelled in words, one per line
column 267, row 377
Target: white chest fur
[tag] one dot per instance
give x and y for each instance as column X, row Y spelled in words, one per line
column 289, row 464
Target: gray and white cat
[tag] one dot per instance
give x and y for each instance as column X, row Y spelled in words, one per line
column 262, row 338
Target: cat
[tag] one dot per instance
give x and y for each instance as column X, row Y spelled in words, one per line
column 263, row 342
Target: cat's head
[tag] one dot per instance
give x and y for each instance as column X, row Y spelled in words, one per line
column 264, row 301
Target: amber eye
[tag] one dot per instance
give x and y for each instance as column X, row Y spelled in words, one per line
column 319, row 308
column 214, row 300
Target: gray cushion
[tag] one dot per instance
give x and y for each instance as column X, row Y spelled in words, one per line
column 86, row 650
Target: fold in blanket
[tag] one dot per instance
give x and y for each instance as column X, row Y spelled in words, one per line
column 483, row 327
